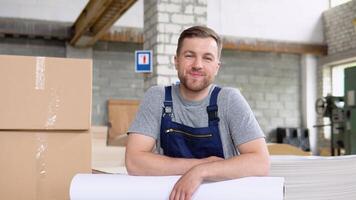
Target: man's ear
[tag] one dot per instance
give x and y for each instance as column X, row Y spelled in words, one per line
column 176, row 62
column 218, row 68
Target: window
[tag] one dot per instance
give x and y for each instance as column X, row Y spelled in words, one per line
column 337, row 79
column 334, row 3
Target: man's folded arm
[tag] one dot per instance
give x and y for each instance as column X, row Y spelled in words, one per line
column 141, row 160
column 253, row 161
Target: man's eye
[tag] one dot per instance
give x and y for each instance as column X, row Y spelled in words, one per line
column 188, row 56
column 208, row 58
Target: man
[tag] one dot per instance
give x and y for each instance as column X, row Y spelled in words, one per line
column 194, row 128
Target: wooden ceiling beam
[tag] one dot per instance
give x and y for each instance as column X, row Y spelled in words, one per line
column 92, row 11
column 275, row 46
column 96, row 19
column 124, row 34
column 115, row 11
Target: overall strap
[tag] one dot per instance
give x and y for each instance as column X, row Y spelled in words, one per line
column 212, row 109
column 168, row 104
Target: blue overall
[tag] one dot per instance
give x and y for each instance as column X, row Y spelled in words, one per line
column 181, row 141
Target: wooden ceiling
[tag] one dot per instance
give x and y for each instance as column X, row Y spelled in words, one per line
column 96, row 19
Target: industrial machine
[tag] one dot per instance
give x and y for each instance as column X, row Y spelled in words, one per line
column 341, row 110
column 350, row 110
column 333, row 108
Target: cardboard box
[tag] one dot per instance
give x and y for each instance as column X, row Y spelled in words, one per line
column 41, row 165
column 121, row 113
column 42, row 93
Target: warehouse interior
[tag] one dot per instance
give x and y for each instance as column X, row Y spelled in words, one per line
column 295, row 64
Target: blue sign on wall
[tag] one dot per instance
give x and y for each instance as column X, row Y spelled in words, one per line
column 143, row 61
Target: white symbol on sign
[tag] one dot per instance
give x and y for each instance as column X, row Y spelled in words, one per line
column 143, row 59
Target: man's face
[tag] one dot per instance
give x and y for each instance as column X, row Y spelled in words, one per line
column 197, row 63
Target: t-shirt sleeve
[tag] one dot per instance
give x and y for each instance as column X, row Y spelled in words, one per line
column 148, row 117
column 242, row 123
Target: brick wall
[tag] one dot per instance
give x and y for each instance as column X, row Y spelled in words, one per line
column 339, row 30
column 270, row 82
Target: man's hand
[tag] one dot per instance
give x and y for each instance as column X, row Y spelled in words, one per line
column 187, row 185
column 190, row 181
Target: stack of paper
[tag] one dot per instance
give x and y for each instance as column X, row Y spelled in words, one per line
column 106, row 186
column 316, row 178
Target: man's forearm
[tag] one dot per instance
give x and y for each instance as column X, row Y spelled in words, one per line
column 249, row 164
column 253, row 161
column 151, row 164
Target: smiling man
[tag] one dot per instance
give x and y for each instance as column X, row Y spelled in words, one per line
column 195, row 128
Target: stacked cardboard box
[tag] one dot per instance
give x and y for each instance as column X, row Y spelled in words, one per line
column 45, row 111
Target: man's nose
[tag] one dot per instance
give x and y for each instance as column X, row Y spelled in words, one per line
column 198, row 64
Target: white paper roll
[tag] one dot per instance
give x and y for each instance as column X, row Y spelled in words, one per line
column 109, row 186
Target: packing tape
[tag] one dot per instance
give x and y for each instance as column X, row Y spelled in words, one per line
column 54, row 103
column 41, row 172
column 53, row 107
column 40, row 73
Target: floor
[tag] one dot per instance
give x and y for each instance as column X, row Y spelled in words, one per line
column 107, row 159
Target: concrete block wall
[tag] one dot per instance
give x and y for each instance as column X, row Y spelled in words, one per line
column 32, row 47
column 164, row 20
column 114, row 77
column 339, row 30
column 270, row 82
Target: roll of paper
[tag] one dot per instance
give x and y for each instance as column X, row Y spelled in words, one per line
column 112, row 186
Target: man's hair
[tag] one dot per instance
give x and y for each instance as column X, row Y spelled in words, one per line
column 199, row 32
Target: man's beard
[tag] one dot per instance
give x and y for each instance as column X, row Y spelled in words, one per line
column 195, row 84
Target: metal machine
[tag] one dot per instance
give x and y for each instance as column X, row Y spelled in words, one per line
column 350, row 110
column 342, row 114
column 333, row 108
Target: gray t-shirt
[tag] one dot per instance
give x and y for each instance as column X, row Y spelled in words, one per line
column 237, row 123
